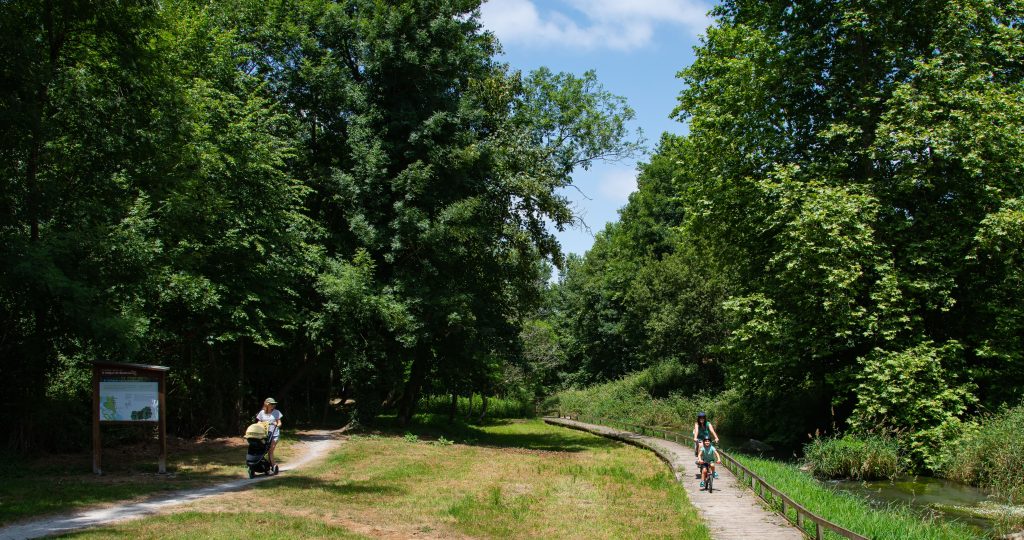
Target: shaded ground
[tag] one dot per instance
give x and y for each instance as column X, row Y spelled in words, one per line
column 311, row 446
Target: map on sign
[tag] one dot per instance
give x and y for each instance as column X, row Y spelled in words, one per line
column 128, row 401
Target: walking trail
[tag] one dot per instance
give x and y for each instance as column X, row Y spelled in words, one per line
column 312, row 446
column 732, row 511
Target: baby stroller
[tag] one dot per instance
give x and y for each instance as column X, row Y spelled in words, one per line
column 259, row 436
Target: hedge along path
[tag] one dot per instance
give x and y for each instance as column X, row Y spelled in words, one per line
column 313, row 446
column 731, row 512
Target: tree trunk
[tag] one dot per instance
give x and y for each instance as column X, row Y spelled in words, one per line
column 240, row 391
column 453, row 407
column 411, row 395
column 329, row 396
column 483, row 406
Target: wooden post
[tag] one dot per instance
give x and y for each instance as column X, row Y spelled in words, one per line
column 97, row 445
column 163, row 423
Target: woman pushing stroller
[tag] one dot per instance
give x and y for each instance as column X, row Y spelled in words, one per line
column 272, row 417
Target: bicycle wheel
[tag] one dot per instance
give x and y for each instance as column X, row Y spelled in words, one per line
column 710, row 482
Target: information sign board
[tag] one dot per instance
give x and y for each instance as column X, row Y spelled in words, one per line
column 129, row 400
column 126, row 394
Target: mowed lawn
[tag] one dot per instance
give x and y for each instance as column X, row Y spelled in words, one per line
column 506, row 479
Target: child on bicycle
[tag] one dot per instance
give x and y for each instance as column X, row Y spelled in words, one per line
column 706, row 459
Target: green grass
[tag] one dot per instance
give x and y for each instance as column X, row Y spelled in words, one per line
column 46, row 484
column 990, row 455
column 217, row 526
column 661, row 395
column 856, row 457
column 850, row 511
column 500, row 479
column 497, row 407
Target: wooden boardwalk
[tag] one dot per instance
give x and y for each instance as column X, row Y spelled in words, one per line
column 731, row 512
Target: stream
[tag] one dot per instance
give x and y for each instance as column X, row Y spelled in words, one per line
column 933, row 496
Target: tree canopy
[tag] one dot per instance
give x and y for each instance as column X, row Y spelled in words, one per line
column 838, row 234
column 313, row 199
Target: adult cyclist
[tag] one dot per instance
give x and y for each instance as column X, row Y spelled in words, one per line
column 702, row 429
column 706, row 460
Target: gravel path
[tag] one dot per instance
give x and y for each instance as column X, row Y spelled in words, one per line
column 312, row 446
column 731, row 512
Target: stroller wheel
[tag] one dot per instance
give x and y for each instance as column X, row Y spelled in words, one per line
column 276, row 469
column 252, row 473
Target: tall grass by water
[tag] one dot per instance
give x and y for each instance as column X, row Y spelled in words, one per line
column 989, row 454
column 854, row 456
column 853, row 512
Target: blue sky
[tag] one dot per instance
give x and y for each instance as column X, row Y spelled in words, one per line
column 636, row 47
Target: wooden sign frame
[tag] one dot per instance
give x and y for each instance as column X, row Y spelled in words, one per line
column 111, row 371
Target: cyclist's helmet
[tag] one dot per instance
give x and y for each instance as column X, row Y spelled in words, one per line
column 707, row 438
column 701, row 415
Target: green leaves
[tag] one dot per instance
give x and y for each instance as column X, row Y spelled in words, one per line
column 846, row 198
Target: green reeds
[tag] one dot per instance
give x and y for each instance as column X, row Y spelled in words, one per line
column 853, row 456
column 989, row 454
column 850, row 511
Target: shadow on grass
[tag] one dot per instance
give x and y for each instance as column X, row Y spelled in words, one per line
column 47, row 484
column 344, row 489
column 432, row 427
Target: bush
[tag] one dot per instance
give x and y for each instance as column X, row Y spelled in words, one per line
column 911, row 391
column 662, row 395
column 497, row 407
column 989, row 454
column 857, row 457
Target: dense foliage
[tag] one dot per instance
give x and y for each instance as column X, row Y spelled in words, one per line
column 838, row 237
column 309, row 199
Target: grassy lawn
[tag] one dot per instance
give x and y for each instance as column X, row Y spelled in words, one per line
column 39, row 485
column 850, row 511
column 521, row 479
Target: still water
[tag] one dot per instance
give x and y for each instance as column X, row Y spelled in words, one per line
column 940, row 498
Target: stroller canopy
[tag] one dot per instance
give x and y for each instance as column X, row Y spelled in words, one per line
column 256, row 431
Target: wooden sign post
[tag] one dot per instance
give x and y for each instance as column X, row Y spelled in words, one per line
column 128, row 394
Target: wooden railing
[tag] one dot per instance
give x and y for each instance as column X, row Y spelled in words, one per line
column 777, row 500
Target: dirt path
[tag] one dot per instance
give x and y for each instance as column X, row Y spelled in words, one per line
column 731, row 512
column 312, row 446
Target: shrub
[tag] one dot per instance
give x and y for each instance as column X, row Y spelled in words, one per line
column 857, row 457
column 912, row 391
column 662, row 395
column 497, row 407
column 989, row 454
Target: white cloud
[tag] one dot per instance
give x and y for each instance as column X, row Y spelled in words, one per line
column 616, row 185
column 611, row 24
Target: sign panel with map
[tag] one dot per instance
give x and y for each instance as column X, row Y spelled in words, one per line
column 126, row 394
column 126, row 400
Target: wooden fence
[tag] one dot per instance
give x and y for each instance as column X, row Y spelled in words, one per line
column 777, row 500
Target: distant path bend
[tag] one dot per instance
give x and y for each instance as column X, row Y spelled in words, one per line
column 312, row 446
column 732, row 512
